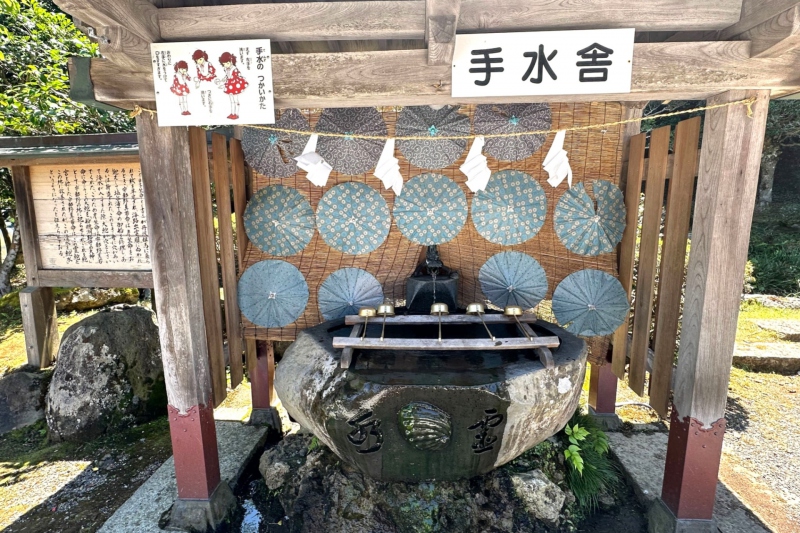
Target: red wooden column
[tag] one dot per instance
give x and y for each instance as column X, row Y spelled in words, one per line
column 169, row 199
column 726, row 191
column 602, row 390
column 261, row 369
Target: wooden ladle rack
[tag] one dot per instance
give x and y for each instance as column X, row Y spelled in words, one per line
column 529, row 340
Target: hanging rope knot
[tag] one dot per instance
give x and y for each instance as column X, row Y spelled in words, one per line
column 749, row 103
column 138, row 110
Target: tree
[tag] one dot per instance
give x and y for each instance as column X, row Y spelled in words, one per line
column 36, row 40
column 783, row 129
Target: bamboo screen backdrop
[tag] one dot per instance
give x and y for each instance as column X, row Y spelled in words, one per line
column 593, row 154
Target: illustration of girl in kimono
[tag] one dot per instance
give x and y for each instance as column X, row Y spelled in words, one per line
column 205, row 70
column 180, row 85
column 233, row 83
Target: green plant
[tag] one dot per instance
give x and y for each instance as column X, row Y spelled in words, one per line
column 590, row 471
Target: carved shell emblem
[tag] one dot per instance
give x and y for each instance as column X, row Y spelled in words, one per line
column 425, row 426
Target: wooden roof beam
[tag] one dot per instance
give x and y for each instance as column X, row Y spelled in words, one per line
column 140, row 17
column 776, row 36
column 313, row 21
column 441, row 21
column 755, row 12
column 678, row 71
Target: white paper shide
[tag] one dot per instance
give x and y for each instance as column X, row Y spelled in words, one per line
column 388, row 169
column 211, row 83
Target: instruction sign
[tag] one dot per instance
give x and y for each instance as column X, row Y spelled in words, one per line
column 543, row 63
column 211, row 83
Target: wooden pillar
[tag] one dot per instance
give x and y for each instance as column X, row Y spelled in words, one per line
column 261, row 369
column 37, row 303
column 726, row 191
column 169, row 198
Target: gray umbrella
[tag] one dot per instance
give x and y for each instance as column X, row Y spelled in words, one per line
column 590, row 303
column 351, row 155
column 272, row 293
column 512, row 118
column 347, row 290
column 513, row 278
column 272, row 153
column 429, row 122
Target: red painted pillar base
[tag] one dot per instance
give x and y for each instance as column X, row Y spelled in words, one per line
column 261, row 389
column 692, row 467
column 194, row 445
column 603, row 396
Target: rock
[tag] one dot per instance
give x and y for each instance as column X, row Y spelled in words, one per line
column 319, row 492
column 787, row 329
column 108, row 375
column 542, row 498
column 22, row 396
column 83, row 299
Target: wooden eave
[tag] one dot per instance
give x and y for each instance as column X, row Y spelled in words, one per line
column 340, row 54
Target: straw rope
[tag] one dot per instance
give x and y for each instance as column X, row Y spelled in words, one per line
column 137, row 110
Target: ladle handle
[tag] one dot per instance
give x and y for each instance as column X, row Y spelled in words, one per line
column 366, row 322
column 523, row 329
column 485, row 326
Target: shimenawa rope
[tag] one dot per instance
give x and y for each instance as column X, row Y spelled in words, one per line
column 138, row 110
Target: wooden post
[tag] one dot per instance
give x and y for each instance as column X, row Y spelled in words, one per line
column 170, row 200
column 603, row 396
column 226, row 256
column 40, row 324
column 726, row 191
column 262, row 371
column 37, row 304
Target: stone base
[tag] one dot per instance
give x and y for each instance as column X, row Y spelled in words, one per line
column 265, row 417
column 606, row 421
column 200, row 515
column 661, row 520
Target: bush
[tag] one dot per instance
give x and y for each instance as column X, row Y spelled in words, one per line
column 590, row 471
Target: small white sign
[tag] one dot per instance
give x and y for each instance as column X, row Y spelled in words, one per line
column 211, row 83
column 543, row 63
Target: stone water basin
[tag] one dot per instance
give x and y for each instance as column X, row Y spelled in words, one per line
column 413, row 416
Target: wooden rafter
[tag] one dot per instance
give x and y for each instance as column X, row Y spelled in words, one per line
column 660, row 70
column 138, row 16
column 441, row 21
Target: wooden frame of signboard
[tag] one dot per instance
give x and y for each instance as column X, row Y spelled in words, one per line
column 42, row 245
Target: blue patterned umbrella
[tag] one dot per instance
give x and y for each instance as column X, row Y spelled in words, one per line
column 279, row 220
column 584, row 229
column 513, row 278
column 272, row 293
column 272, row 153
column 431, row 210
column 347, row 290
column 351, row 155
column 590, row 303
column 511, row 209
column 429, row 122
column 512, row 118
column 353, row 218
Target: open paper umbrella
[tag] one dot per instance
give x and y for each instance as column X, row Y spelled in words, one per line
column 351, row 155
column 511, row 209
column 590, row 303
column 426, row 121
column 347, row 290
column 513, row 278
column 272, row 153
column 512, row 118
column 431, row 210
column 587, row 230
column 272, row 293
column 279, row 220
column 353, row 218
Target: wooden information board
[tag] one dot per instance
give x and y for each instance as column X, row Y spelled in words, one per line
column 90, row 216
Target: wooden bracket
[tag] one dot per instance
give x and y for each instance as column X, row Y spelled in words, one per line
column 441, row 21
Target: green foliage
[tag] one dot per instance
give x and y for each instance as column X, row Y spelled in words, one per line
column 590, row 471
column 35, row 44
column 775, row 250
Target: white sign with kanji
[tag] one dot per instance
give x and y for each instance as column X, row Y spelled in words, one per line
column 543, row 63
column 211, row 83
